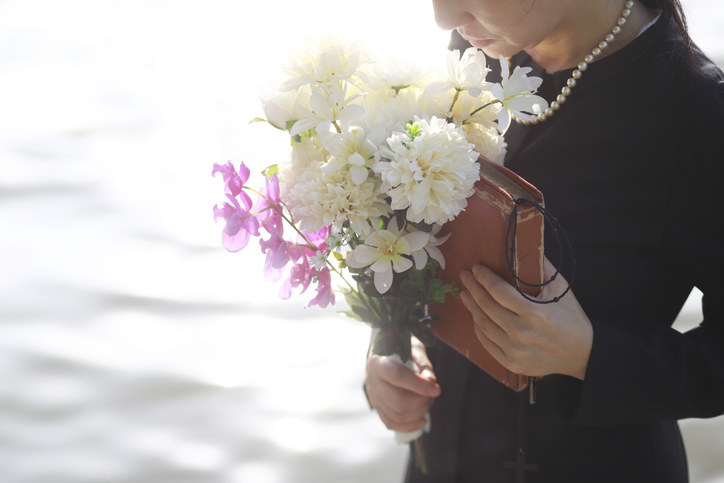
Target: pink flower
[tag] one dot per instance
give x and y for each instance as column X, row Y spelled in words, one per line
column 300, row 275
column 240, row 224
column 234, row 181
column 269, row 204
column 325, row 296
column 277, row 255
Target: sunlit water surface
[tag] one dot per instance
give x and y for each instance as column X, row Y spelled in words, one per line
column 132, row 347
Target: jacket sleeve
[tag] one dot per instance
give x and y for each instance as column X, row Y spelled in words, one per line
column 657, row 373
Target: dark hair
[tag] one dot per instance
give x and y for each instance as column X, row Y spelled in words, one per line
column 674, row 10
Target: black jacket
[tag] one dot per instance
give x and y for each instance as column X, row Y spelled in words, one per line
column 633, row 168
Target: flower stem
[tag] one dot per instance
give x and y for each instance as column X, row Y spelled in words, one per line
column 483, row 107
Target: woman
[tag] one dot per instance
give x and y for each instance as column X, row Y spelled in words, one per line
column 629, row 159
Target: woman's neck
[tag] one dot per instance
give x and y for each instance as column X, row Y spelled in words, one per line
column 584, row 26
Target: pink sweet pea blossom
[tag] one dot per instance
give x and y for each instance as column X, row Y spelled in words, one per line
column 325, row 296
column 234, row 181
column 240, row 224
column 300, row 275
column 269, row 203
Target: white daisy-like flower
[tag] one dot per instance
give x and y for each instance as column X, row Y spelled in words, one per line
column 516, row 92
column 429, row 170
column 465, row 72
column 385, row 252
column 326, row 63
column 326, row 107
column 431, row 250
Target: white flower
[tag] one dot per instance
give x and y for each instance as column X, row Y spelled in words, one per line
column 387, row 112
column 483, row 109
column 385, row 251
column 487, row 141
column 431, row 249
column 465, row 72
column 349, row 150
column 327, row 106
column 317, row 198
column 326, row 63
column 285, row 107
column 517, row 95
column 431, row 174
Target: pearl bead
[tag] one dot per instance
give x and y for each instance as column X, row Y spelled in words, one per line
column 626, row 12
column 603, row 45
column 596, row 52
column 542, row 117
column 583, row 66
column 555, row 105
column 548, row 112
column 621, row 21
column 561, row 99
column 629, row 4
column 566, row 91
column 610, row 37
column 616, row 30
column 588, row 59
column 571, row 83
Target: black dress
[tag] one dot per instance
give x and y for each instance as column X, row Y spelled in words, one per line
column 632, row 167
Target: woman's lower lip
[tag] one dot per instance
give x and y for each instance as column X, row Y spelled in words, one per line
column 480, row 43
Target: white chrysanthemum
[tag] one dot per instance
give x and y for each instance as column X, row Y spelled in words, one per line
column 349, row 150
column 429, row 170
column 395, row 72
column 488, row 141
column 318, row 199
column 326, row 63
column 387, row 112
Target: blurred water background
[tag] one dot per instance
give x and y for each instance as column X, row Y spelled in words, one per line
column 132, row 347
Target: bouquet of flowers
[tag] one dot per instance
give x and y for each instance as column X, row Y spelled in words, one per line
column 380, row 160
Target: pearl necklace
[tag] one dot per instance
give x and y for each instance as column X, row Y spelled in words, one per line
column 581, row 68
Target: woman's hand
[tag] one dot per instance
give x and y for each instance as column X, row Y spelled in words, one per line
column 401, row 396
column 525, row 337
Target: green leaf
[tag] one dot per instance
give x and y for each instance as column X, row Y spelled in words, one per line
column 271, row 170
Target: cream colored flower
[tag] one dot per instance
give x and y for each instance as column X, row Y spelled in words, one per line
column 385, row 252
column 326, row 63
column 429, row 170
column 285, row 107
column 487, row 141
column 349, row 150
column 484, row 109
column 318, row 199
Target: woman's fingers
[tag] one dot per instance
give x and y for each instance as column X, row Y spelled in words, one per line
column 400, row 396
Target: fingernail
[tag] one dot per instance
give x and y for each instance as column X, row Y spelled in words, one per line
column 426, row 374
